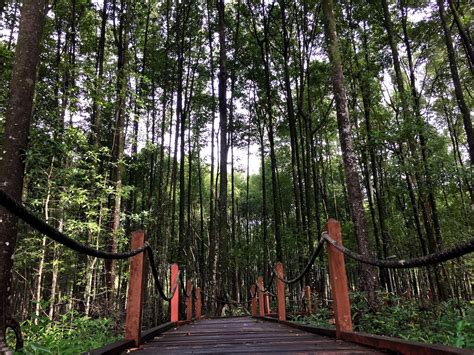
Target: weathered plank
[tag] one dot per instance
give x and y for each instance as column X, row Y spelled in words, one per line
column 246, row 335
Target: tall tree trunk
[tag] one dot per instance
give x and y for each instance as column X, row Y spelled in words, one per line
column 374, row 186
column 222, row 225
column 15, row 139
column 295, row 157
column 138, row 106
column 430, row 205
column 118, row 144
column 202, row 252
column 212, row 235
column 266, row 261
column 99, row 68
column 466, row 40
column 162, row 179
column 465, row 111
column 368, row 277
column 181, row 118
column 233, row 79
column 264, row 46
column 42, row 260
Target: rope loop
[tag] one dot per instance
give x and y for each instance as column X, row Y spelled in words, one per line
column 427, row 260
column 15, row 326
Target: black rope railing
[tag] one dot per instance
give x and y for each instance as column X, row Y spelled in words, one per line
column 426, row 260
column 15, row 326
column 158, row 285
column 41, row 226
column 253, row 295
column 264, row 290
column 230, row 302
column 183, row 288
column 308, row 266
column 270, row 283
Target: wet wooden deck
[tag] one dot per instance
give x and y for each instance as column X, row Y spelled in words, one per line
column 248, row 336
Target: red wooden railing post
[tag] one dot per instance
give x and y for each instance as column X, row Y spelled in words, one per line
column 267, row 304
column 198, row 303
column 261, row 300
column 253, row 294
column 133, row 322
column 174, row 304
column 280, row 291
column 189, row 301
column 308, row 300
column 338, row 280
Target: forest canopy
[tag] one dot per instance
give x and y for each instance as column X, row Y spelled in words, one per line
column 230, row 132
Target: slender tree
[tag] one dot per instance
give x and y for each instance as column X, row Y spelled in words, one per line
column 15, row 141
column 368, row 276
column 222, row 203
column 463, row 107
column 118, row 142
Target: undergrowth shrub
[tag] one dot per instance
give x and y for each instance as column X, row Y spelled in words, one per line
column 449, row 323
column 71, row 334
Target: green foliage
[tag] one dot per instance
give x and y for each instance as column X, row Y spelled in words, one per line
column 72, row 333
column 449, row 323
column 320, row 318
column 68, row 163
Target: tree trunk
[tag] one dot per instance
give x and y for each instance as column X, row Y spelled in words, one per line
column 431, row 206
column 222, row 225
column 15, row 139
column 118, row 145
column 465, row 112
column 295, row 158
column 466, row 40
column 368, row 277
column 99, row 68
column 39, row 278
column 212, row 235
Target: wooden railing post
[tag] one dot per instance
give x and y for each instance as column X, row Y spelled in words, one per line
column 253, row 291
column 280, row 291
column 308, row 300
column 189, row 301
column 261, row 300
column 267, row 304
column 338, row 280
column 174, row 304
column 198, row 303
column 133, row 323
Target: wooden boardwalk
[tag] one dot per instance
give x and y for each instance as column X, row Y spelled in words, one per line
column 245, row 335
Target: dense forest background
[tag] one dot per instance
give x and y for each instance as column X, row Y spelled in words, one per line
column 227, row 132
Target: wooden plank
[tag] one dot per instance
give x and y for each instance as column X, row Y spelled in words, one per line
column 308, row 300
column 267, row 303
column 133, row 322
column 338, row 280
column 174, row 304
column 253, row 291
column 251, row 348
column 305, row 327
column 400, row 345
column 246, row 335
column 153, row 332
column 112, row 349
column 189, row 301
column 280, row 291
column 261, row 300
column 198, row 303
column 380, row 342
